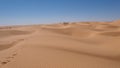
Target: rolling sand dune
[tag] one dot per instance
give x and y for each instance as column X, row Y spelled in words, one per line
column 113, row 34
column 4, row 45
column 7, row 33
column 67, row 45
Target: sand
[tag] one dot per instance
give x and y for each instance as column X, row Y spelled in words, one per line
column 72, row 45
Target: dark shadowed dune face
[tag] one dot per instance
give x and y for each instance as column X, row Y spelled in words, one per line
column 5, row 46
column 9, row 44
column 7, row 33
column 66, row 31
column 105, row 28
column 112, row 34
column 111, row 27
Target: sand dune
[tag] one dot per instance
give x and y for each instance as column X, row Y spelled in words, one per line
column 7, row 33
column 67, row 45
column 4, row 45
column 112, row 34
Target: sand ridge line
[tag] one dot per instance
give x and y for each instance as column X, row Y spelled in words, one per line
column 6, row 46
column 16, row 42
column 81, row 52
column 9, row 58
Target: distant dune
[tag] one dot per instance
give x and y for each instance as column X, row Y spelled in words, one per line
column 6, row 33
column 63, row 45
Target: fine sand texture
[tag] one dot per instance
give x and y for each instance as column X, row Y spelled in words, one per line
column 64, row 45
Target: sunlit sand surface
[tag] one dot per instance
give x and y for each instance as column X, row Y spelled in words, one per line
column 65, row 45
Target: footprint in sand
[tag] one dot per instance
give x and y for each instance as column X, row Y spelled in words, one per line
column 8, row 59
column 4, row 62
column 14, row 54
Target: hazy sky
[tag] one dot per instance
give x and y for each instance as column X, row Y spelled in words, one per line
column 48, row 11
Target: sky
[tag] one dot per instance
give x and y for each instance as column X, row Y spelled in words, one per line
column 15, row 12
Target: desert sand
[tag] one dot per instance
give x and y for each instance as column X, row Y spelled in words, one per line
column 63, row 45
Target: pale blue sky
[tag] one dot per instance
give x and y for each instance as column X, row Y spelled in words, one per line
column 14, row 12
